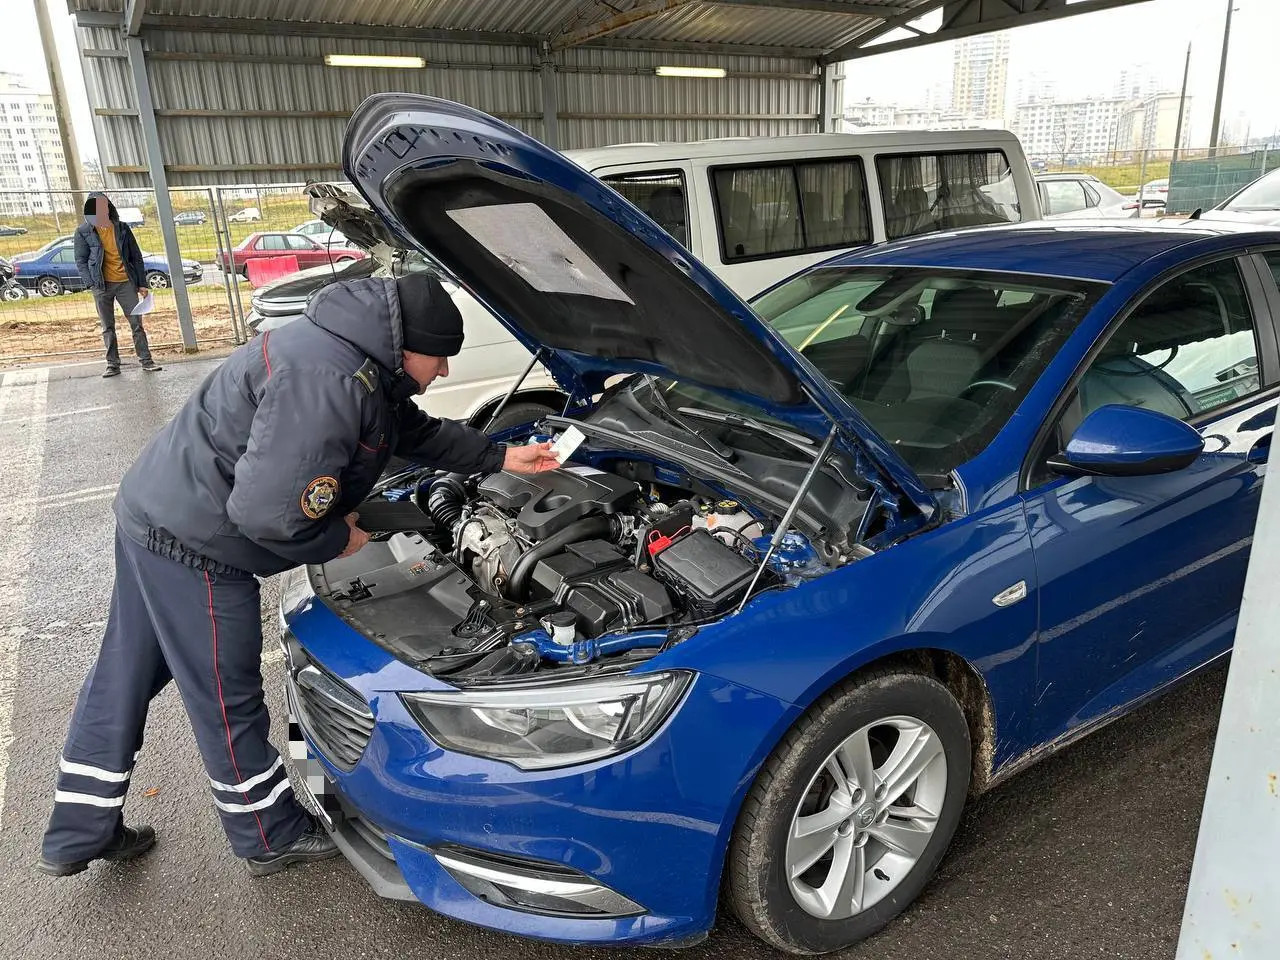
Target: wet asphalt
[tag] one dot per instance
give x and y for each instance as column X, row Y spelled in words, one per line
column 1085, row 855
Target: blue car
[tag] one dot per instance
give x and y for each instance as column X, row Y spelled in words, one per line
column 815, row 571
column 51, row 271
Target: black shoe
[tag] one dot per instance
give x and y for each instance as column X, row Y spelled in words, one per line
column 111, row 372
column 314, row 844
column 129, row 844
column 151, row 366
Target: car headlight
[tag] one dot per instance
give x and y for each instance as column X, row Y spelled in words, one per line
column 295, row 589
column 554, row 725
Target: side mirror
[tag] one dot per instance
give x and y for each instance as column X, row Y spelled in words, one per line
column 1120, row 441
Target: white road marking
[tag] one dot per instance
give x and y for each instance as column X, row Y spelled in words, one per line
column 24, row 395
column 65, row 413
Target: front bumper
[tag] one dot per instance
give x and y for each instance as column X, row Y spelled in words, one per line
column 626, row 850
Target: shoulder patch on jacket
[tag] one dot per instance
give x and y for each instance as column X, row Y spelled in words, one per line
column 367, row 376
column 319, row 496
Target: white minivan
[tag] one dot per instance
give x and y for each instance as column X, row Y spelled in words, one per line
column 754, row 210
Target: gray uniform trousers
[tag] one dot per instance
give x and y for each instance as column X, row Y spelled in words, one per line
column 203, row 630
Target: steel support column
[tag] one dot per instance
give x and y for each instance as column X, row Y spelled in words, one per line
column 550, row 103
column 826, row 97
column 1235, row 886
column 160, row 184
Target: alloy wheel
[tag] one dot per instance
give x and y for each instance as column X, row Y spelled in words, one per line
column 866, row 817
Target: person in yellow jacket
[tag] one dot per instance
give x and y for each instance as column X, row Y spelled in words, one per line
column 110, row 262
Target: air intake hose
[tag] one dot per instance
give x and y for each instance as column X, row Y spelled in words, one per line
column 584, row 529
column 445, row 500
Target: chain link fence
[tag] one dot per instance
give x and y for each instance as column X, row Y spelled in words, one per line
column 231, row 240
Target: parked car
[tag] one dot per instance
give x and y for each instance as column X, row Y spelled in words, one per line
column 1077, row 196
column 479, row 376
column 10, row 231
column 132, row 216
column 247, row 215
column 1154, row 195
column 321, row 232
column 308, row 252
column 190, row 218
column 756, row 210
column 821, row 568
column 10, row 289
column 54, row 271
column 1258, row 203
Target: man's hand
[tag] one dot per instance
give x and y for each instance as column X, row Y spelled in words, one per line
column 357, row 539
column 531, row 458
column 142, row 293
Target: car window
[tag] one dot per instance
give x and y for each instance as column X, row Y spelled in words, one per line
column 273, row 242
column 1092, row 197
column 660, row 194
column 1063, row 196
column 936, row 360
column 1188, row 347
column 925, row 193
column 64, row 256
column 1273, row 261
column 791, row 208
column 300, row 243
column 1262, row 194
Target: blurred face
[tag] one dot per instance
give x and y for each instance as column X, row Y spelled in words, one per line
column 424, row 369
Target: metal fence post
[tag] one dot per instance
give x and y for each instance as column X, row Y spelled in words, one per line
column 239, row 327
column 160, row 184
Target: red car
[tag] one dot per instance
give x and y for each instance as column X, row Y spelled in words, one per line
column 309, row 253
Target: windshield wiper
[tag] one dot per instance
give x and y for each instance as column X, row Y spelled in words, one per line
column 715, row 446
column 796, row 441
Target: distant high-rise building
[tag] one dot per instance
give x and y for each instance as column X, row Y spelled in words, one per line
column 1152, row 124
column 1035, row 88
column 1069, row 129
column 1135, row 83
column 31, row 157
column 980, row 76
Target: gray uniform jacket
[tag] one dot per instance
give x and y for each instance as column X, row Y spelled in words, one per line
column 260, row 467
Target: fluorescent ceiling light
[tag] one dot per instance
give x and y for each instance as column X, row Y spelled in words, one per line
column 370, row 60
column 711, row 73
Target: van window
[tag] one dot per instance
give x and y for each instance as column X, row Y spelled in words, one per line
column 791, row 208
column 660, row 194
column 927, row 192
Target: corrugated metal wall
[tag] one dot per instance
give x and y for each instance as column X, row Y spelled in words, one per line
column 246, row 108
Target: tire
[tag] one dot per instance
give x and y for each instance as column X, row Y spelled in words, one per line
column 761, row 878
column 50, row 287
column 158, row 280
column 13, row 292
column 514, row 415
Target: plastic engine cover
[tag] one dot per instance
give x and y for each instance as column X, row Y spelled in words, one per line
column 546, row 503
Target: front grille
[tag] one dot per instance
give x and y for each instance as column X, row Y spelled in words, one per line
column 337, row 719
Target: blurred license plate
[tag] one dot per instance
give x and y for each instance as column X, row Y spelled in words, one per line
column 318, row 796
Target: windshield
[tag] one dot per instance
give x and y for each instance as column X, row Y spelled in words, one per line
column 935, row 360
column 1263, row 194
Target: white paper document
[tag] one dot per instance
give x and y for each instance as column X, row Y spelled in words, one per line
column 145, row 305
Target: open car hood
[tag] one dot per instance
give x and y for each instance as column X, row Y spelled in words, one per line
column 348, row 215
column 574, row 270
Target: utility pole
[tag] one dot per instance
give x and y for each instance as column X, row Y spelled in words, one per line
column 61, row 108
column 1182, row 105
column 1222, row 81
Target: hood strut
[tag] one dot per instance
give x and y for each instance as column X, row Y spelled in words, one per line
column 781, row 530
column 533, row 361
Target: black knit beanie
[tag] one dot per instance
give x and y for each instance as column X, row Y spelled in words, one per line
column 432, row 323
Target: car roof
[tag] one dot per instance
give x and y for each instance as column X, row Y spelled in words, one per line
column 1102, row 250
column 738, row 148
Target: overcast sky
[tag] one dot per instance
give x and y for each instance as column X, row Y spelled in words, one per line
column 1083, row 54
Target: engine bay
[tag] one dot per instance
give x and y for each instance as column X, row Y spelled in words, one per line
column 498, row 576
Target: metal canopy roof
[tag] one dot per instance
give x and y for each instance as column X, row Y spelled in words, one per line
column 827, row 30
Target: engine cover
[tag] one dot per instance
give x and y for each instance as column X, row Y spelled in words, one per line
column 546, row 503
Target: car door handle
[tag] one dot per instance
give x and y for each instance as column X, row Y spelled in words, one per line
column 1260, row 451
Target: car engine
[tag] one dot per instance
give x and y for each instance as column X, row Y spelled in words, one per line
column 507, row 573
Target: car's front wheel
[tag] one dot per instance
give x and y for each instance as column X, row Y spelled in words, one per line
column 158, row 280
column 851, row 814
